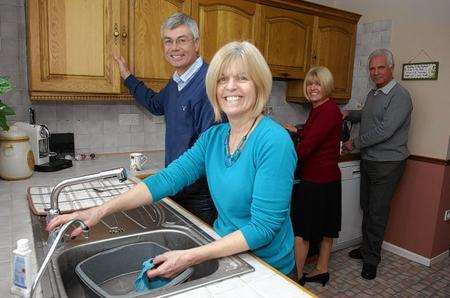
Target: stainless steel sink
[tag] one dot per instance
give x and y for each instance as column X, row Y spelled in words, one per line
column 160, row 224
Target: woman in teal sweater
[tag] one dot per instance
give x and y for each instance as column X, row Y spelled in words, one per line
column 249, row 163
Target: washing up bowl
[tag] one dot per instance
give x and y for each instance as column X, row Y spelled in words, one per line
column 112, row 273
column 171, row 239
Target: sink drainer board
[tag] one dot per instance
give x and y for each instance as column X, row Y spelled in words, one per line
column 79, row 196
column 112, row 273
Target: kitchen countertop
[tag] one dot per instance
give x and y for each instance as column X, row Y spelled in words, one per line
column 15, row 223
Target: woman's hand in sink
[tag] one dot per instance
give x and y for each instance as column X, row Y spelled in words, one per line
column 90, row 217
column 137, row 196
column 171, row 263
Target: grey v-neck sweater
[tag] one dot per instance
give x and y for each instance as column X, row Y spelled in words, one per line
column 385, row 121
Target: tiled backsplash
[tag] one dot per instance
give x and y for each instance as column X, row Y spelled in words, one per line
column 369, row 37
column 97, row 127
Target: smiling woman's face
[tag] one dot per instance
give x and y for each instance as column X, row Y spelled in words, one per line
column 236, row 92
column 315, row 92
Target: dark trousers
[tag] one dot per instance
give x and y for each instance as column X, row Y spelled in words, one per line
column 378, row 183
column 197, row 200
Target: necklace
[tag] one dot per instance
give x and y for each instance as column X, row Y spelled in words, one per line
column 230, row 159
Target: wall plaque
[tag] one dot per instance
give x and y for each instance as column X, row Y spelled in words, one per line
column 420, row 71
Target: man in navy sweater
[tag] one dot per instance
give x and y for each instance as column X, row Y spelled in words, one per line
column 183, row 102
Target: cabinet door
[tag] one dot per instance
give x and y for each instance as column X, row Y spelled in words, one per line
column 335, row 49
column 143, row 47
column 70, row 45
column 223, row 21
column 287, row 38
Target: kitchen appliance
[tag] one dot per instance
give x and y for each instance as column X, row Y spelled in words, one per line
column 16, row 157
column 40, row 145
column 39, row 141
column 62, row 144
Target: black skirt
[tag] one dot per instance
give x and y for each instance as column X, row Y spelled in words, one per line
column 316, row 210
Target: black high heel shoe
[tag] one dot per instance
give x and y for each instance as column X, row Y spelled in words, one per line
column 322, row 278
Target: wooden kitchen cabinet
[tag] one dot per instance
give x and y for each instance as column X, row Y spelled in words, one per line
column 70, row 46
column 333, row 47
column 287, row 39
column 71, row 42
column 222, row 21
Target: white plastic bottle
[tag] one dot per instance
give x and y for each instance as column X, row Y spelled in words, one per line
column 21, row 275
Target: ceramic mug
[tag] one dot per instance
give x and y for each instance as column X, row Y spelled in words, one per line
column 137, row 161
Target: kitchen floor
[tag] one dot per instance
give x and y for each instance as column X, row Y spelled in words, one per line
column 396, row 277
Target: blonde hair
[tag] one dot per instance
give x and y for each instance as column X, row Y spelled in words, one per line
column 322, row 75
column 252, row 61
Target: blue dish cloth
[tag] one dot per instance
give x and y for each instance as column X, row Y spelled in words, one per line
column 143, row 283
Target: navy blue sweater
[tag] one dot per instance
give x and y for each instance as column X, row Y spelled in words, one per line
column 187, row 112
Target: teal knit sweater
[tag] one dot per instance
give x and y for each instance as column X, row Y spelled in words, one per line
column 252, row 195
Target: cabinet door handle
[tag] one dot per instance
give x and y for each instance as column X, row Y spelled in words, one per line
column 116, row 32
column 356, row 172
column 124, row 33
column 284, row 74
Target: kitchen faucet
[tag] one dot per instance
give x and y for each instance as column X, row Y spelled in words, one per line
column 52, row 249
column 54, row 211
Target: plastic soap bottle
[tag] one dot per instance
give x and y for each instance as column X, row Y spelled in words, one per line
column 21, row 275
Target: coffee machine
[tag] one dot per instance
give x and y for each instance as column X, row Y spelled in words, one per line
column 40, row 145
column 39, row 141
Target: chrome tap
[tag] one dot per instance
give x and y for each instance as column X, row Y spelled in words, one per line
column 120, row 173
column 52, row 249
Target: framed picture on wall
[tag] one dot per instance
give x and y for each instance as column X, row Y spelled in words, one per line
column 420, row 71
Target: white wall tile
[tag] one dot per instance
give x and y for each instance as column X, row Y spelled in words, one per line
column 110, row 126
column 81, row 140
column 64, row 126
column 137, row 139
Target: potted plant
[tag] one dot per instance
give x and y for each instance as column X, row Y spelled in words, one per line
column 5, row 110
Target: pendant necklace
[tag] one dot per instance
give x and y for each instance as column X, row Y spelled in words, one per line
column 230, row 159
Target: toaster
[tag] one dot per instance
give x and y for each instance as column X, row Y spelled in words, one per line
column 39, row 141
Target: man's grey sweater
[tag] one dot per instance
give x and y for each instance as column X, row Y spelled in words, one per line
column 385, row 120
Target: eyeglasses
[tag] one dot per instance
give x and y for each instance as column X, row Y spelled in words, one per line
column 180, row 41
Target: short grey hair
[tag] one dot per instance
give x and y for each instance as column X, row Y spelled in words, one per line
column 383, row 52
column 179, row 19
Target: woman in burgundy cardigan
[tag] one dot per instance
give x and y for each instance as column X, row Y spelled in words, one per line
column 316, row 205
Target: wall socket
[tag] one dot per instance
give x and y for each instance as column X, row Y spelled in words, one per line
column 446, row 215
column 128, row 119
